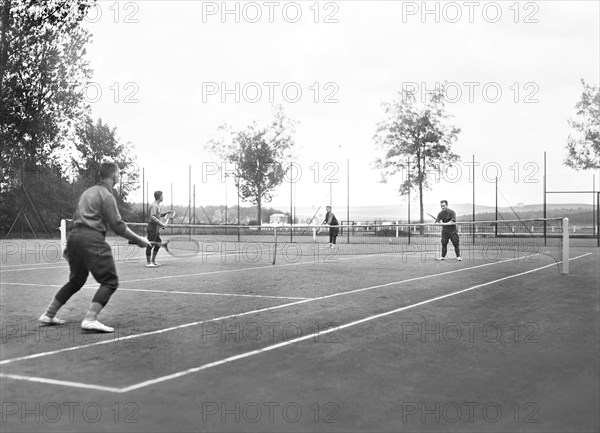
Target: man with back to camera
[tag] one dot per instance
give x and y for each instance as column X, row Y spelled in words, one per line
column 87, row 250
column 447, row 218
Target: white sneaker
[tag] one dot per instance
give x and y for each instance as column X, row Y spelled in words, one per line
column 440, row 258
column 156, row 264
column 94, row 325
column 459, row 259
column 151, row 265
column 51, row 320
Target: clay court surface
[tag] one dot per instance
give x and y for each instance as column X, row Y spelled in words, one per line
column 230, row 342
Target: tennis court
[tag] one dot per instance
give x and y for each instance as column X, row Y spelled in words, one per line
column 227, row 341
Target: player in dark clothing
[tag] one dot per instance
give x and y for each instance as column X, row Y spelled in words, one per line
column 447, row 218
column 332, row 222
column 155, row 214
column 87, row 250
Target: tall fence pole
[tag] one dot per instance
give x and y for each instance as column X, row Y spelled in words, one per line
column 545, row 199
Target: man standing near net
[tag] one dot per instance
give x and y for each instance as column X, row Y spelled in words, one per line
column 154, row 226
column 87, row 250
column 447, row 218
column 332, row 222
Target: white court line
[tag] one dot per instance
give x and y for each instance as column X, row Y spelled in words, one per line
column 213, row 294
column 5, row 265
column 186, row 325
column 61, row 382
column 278, row 345
column 122, row 289
column 34, row 269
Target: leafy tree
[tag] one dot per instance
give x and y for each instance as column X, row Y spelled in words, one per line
column 95, row 143
column 418, row 135
column 583, row 150
column 42, row 74
column 259, row 154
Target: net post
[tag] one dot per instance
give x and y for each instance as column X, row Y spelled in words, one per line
column 63, row 234
column 565, row 255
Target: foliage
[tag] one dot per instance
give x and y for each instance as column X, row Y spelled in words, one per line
column 259, row 154
column 96, row 143
column 583, row 150
column 42, row 74
column 418, row 135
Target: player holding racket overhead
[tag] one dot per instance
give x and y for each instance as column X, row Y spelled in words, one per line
column 332, row 222
column 155, row 214
column 447, row 218
column 87, row 250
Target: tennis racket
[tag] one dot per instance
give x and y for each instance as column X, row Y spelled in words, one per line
column 178, row 247
column 167, row 218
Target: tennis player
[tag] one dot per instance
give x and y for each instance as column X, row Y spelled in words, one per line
column 87, row 250
column 447, row 218
column 332, row 222
column 155, row 213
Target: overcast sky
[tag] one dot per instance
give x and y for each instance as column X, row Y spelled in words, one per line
column 181, row 65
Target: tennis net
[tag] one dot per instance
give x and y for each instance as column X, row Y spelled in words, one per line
column 488, row 239
column 483, row 239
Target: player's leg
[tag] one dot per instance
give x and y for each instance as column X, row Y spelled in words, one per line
column 156, row 248
column 456, row 243
column 152, row 236
column 335, row 232
column 104, row 271
column 445, row 239
column 75, row 253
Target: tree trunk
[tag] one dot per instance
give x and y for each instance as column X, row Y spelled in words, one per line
column 421, row 202
column 259, row 206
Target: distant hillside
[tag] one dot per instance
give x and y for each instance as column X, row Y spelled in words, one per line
column 463, row 211
column 577, row 213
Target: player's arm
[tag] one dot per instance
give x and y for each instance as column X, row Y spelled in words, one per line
column 157, row 221
column 451, row 221
column 113, row 218
column 154, row 218
column 452, row 217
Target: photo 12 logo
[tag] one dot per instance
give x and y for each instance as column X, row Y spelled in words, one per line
column 293, row 172
column 269, row 411
column 271, row 332
column 271, row 91
column 125, row 93
column 117, row 12
column 471, row 12
column 270, row 12
column 69, row 411
column 468, row 412
column 473, row 91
